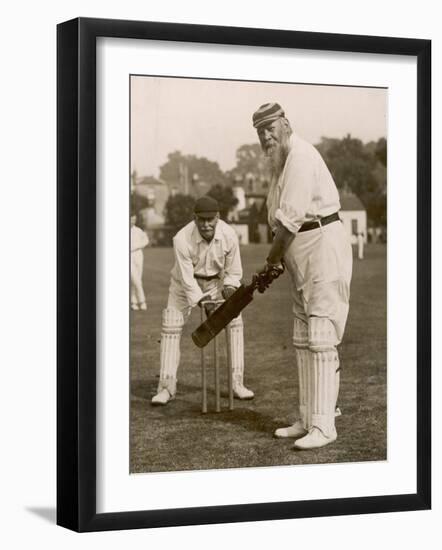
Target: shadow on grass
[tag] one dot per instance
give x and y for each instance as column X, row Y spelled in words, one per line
column 186, row 407
column 178, row 437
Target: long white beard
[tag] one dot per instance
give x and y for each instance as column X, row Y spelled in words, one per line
column 277, row 157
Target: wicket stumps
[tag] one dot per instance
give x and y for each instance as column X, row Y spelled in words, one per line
column 216, row 369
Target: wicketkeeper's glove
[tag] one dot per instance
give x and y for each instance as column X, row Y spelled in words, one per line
column 227, row 291
column 209, row 307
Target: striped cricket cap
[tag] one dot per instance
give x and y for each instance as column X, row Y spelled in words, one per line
column 266, row 113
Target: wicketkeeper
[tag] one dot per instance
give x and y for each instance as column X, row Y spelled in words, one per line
column 207, row 267
column 310, row 240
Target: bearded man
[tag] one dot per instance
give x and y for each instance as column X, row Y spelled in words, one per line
column 310, row 241
column 207, row 268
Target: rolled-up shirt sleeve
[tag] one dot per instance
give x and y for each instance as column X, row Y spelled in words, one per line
column 232, row 266
column 297, row 183
column 183, row 263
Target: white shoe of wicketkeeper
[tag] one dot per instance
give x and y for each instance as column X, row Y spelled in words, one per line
column 162, row 398
column 315, row 439
column 241, row 392
column 295, row 430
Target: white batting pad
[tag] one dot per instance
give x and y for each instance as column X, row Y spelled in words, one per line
column 300, row 341
column 300, row 333
column 172, row 328
column 303, row 362
column 236, row 340
column 323, row 390
column 337, row 381
column 321, row 334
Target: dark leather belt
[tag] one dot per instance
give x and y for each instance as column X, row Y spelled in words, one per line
column 308, row 226
column 206, row 277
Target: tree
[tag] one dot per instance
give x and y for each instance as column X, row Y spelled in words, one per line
column 225, row 197
column 181, row 171
column 360, row 169
column 138, row 202
column 250, row 160
column 179, row 210
column 381, row 151
column 350, row 164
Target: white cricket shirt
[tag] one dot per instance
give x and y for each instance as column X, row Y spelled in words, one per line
column 194, row 255
column 305, row 190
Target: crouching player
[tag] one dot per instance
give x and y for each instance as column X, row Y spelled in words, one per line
column 207, row 268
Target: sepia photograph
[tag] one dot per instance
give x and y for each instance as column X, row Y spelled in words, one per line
column 258, row 274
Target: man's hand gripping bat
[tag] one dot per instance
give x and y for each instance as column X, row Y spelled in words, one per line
column 232, row 307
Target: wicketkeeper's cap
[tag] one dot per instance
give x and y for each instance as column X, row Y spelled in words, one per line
column 206, row 207
column 267, row 113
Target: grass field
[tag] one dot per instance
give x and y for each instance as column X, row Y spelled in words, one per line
column 179, row 437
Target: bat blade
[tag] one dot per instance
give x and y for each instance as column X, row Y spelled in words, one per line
column 222, row 316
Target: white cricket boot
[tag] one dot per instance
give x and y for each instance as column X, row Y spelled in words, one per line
column 235, row 339
column 315, row 439
column 295, row 430
column 172, row 328
column 162, row 397
column 241, row 392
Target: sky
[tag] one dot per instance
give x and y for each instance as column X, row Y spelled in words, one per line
column 212, row 118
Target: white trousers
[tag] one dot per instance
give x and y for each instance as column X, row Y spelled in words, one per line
column 136, row 273
column 320, row 265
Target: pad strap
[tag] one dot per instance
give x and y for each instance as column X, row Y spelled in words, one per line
column 322, row 334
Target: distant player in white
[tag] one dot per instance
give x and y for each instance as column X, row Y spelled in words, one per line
column 310, row 240
column 360, row 239
column 138, row 241
column 207, row 267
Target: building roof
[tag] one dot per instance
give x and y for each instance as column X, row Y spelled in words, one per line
column 149, row 180
column 349, row 201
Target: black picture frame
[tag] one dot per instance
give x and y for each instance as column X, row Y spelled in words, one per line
column 76, row 273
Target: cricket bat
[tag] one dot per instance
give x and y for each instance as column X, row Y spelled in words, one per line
column 231, row 308
column 223, row 315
